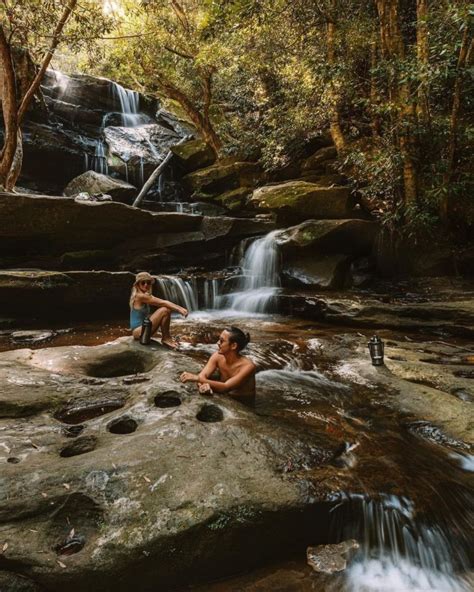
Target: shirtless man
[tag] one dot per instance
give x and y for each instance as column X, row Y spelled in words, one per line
column 236, row 372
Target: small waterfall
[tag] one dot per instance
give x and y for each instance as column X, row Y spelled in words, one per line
column 260, row 279
column 129, row 103
column 178, row 291
column 211, row 294
column 397, row 551
column 99, row 160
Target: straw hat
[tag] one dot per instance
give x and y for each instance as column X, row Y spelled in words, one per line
column 144, row 276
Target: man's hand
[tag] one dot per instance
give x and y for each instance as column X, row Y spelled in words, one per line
column 205, row 389
column 189, row 377
column 183, row 311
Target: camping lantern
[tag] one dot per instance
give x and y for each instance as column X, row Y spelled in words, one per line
column 376, row 347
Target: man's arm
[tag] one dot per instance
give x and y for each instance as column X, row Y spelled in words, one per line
column 208, row 370
column 232, row 383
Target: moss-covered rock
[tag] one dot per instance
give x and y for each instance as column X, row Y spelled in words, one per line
column 220, row 178
column 295, row 201
column 195, row 154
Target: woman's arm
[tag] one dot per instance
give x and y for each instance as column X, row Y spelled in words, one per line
column 158, row 302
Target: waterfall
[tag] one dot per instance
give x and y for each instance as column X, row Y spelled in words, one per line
column 99, row 160
column 260, row 281
column 211, row 294
column 129, row 103
column 177, row 290
column 397, row 551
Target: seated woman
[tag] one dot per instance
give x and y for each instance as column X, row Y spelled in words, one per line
column 236, row 372
column 141, row 299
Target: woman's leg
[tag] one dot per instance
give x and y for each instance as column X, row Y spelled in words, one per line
column 161, row 318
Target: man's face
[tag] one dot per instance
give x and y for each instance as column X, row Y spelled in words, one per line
column 223, row 343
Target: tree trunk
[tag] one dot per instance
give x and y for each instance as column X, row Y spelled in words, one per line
column 9, row 107
column 11, row 156
column 334, row 114
column 422, row 52
column 400, row 92
column 15, row 167
column 464, row 59
column 202, row 123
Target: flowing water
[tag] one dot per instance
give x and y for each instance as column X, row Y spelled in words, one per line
column 406, row 497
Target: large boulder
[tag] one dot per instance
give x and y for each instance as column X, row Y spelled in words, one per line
column 222, row 177
column 195, row 154
column 295, row 201
column 319, row 271
column 352, row 237
column 315, row 161
column 134, row 481
column 98, row 184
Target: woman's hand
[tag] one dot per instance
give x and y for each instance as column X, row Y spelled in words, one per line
column 205, row 389
column 189, row 377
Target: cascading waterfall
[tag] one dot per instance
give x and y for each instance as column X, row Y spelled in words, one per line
column 260, row 280
column 129, row 101
column 397, row 552
column 177, row 290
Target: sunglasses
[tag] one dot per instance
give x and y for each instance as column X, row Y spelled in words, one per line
column 146, row 283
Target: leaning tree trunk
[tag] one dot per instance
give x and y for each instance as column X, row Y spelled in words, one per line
column 15, row 167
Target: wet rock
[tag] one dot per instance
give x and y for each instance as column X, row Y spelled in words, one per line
column 434, row 434
column 111, row 501
column 29, row 337
column 13, row 582
column 295, row 201
column 331, row 558
column 193, row 155
column 95, row 183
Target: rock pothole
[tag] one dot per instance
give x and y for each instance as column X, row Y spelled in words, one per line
column 73, row 431
column 83, row 411
column 121, row 364
column 210, row 414
column 71, row 545
column 14, row 460
column 122, row 425
column 82, row 445
column 168, row 399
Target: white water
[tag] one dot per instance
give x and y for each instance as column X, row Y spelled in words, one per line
column 129, row 101
column 99, row 160
column 260, row 281
column 398, row 553
column 178, row 291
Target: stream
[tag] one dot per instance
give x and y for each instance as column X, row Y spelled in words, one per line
column 401, row 488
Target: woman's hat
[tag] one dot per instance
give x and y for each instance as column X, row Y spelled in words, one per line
column 144, row 276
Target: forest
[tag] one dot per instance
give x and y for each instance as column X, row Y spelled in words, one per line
column 390, row 81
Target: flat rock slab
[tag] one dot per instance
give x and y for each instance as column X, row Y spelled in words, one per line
column 168, row 486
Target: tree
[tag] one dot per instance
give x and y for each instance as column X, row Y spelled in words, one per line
column 25, row 30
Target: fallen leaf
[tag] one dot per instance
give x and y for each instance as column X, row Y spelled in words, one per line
column 66, row 485
column 32, row 530
column 34, row 445
column 5, row 547
column 61, row 564
column 72, row 533
column 114, row 465
column 44, row 494
column 147, row 479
